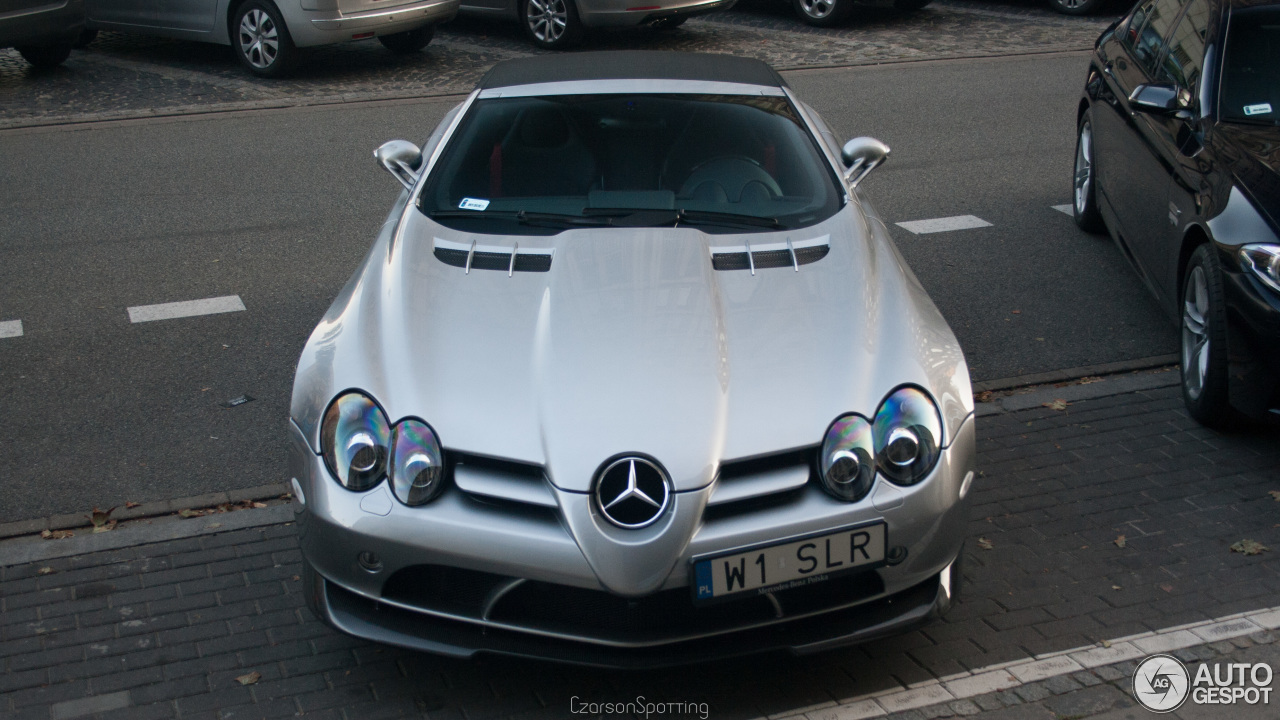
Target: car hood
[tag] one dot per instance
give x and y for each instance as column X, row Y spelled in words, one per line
column 631, row 343
column 1253, row 154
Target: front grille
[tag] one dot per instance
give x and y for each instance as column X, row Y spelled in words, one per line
column 750, row 482
column 664, row 616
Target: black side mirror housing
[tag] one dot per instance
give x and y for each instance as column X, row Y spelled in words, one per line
column 1155, row 99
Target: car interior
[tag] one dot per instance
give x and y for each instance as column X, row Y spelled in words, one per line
column 575, row 154
column 1251, row 69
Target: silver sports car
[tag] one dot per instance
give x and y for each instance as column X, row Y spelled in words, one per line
column 632, row 375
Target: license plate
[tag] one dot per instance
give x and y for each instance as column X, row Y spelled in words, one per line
column 789, row 563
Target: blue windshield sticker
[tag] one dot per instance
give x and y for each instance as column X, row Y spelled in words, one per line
column 473, row 204
column 1259, row 109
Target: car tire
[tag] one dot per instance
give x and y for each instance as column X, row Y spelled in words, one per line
column 86, row 36
column 45, row 56
column 670, row 22
column 410, row 41
column 1076, row 7
column 551, row 24
column 261, row 40
column 1204, row 341
column 824, row 13
column 1084, row 180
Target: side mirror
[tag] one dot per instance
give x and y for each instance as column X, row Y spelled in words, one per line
column 402, row 159
column 1155, row 99
column 861, row 155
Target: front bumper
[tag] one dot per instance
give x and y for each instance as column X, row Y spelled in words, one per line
column 629, row 13
column 1253, row 341
column 336, row 26
column 467, row 574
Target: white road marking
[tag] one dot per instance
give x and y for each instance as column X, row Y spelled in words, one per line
column 946, row 224
column 10, row 328
column 186, row 308
column 1067, row 209
column 1008, row 675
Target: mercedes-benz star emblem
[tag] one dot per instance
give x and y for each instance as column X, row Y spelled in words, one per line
column 632, row 492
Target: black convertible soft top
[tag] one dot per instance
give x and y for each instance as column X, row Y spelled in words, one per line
column 631, row 65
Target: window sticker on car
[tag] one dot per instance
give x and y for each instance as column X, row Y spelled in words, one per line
column 1259, row 109
column 473, row 204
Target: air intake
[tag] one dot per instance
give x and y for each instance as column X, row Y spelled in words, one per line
column 770, row 255
column 493, row 257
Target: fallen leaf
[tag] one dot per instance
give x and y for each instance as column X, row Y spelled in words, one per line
column 1275, row 495
column 250, row 678
column 129, row 505
column 1119, row 541
column 1116, row 587
column 56, row 534
column 1106, row 643
column 1016, row 312
column 1166, row 587
column 1249, row 547
column 257, row 504
column 101, row 519
column 1090, row 379
column 985, row 544
column 983, row 397
column 287, row 496
column 45, row 571
column 296, row 578
column 189, row 513
column 213, row 525
column 1058, row 404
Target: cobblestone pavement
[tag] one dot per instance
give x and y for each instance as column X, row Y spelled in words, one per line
column 1109, row 518
column 135, row 76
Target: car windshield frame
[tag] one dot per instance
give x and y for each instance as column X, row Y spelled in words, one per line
column 540, row 164
column 1228, row 75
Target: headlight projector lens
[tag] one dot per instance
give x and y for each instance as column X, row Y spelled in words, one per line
column 908, row 436
column 848, row 463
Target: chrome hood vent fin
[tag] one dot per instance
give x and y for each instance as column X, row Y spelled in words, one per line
column 770, row 255
column 513, row 259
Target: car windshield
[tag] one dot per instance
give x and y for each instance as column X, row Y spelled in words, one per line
column 539, row 165
column 1251, row 68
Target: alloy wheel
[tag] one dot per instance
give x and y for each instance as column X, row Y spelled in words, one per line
column 548, row 19
column 1195, row 333
column 1084, row 167
column 817, row 9
column 259, row 39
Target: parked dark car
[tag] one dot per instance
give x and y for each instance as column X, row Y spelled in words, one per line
column 42, row 32
column 1178, row 157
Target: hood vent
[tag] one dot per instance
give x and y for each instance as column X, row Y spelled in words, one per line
column 471, row 256
column 770, row 255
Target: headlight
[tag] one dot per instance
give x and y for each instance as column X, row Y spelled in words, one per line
column 908, row 436
column 1264, row 262
column 417, row 467
column 848, row 463
column 354, row 439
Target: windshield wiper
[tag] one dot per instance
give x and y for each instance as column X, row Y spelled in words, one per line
column 650, row 217
column 524, row 217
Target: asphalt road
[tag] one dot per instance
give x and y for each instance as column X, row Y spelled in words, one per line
column 278, row 207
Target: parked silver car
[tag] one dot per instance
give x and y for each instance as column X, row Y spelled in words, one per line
column 42, row 32
column 633, row 374
column 265, row 34
column 558, row 24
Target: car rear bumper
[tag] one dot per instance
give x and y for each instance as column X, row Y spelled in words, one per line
column 628, row 13
column 335, row 26
column 47, row 24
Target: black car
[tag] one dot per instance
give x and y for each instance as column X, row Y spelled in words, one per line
column 1178, row 157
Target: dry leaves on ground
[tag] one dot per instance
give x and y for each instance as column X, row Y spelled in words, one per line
column 1120, row 542
column 129, row 505
column 250, row 678
column 46, row 571
column 1249, row 547
column 1275, row 494
column 1058, row 404
column 223, row 508
column 56, row 534
column 983, row 397
column 101, row 520
column 985, row 544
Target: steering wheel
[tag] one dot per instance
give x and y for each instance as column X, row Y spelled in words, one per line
column 736, row 175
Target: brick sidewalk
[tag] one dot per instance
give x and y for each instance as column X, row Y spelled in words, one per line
column 165, row 629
